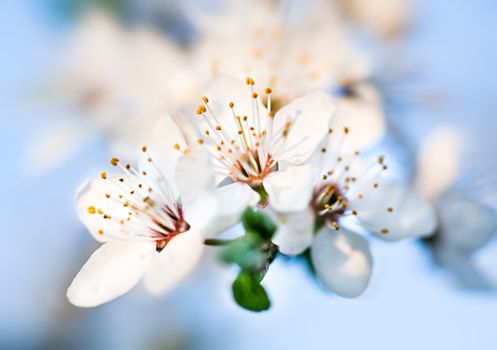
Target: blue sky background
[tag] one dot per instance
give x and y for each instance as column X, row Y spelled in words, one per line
column 410, row 304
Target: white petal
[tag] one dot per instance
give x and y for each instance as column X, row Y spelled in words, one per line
column 176, row 261
column 111, row 271
column 295, row 231
column 310, row 116
column 438, row 161
column 464, row 224
column 225, row 89
column 194, row 174
column 232, row 199
column 201, row 212
column 167, row 137
column 290, row 189
column 92, row 194
column 412, row 214
column 362, row 113
column 342, row 261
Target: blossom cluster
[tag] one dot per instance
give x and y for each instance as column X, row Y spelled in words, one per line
column 265, row 125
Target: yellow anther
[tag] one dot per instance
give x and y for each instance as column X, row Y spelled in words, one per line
column 390, row 209
column 268, row 90
column 346, row 130
column 107, row 195
column 144, row 149
column 231, row 104
column 384, row 230
column 103, row 175
column 205, row 99
column 218, row 127
column 254, row 95
column 91, row 209
column 100, row 232
column 200, row 141
column 249, row 81
column 354, row 212
column 114, row 161
column 177, row 146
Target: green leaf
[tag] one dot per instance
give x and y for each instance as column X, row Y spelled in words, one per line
column 245, row 252
column 255, row 221
column 249, row 293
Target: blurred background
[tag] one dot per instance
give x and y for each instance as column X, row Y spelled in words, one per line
column 448, row 75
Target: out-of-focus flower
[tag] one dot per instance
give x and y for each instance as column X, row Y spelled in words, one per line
column 295, row 56
column 249, row 143
column 114, row 83
column 386, row 18
column 464, row 225
column 345, row 186
column 150, row 220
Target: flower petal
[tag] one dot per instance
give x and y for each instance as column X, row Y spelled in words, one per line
column 465, row 225
column 394, row 211
column 233, row 199
column 310, row 116
column 290, row 189
column 166, row 148
column 176, row 261
column 111, row 271
column 438, row 162
column 90, row 197
column 362, row 113
column 342, row 261
column 194, row 174
column 295, row 231
column 200, row 212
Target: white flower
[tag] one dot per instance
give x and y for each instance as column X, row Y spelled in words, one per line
column 344, row 187
column 295, row 55
column 465, row 225
column 112, row 83
column 149, row 220
column 249, row 144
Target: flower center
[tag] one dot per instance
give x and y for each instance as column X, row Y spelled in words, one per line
column 247, row 149
column 329, row 202
column 250, row 165
column 142, row 205
column 178, row 222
